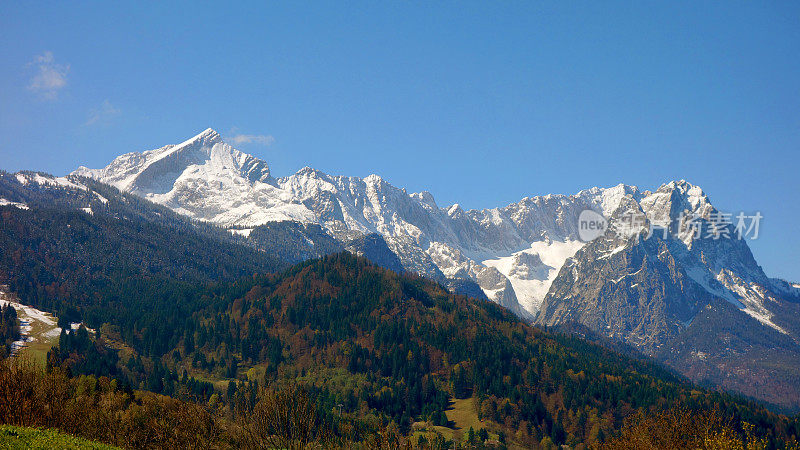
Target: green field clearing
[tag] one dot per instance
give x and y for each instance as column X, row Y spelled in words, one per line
column 12, row 437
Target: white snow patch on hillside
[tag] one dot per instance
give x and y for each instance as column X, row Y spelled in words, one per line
column 59, row 181
column 35, row 325
column 626, row 276
column 241, row 232
column 42, row 180
column 703, row 277
column 4, row 202
column 28, row 317
column 613, row 252
column 752, row 296
column 531, row 293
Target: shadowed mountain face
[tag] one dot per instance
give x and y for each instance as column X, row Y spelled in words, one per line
column 527, row 256
column 700, row 305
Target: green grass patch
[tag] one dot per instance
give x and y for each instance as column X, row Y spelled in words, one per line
column 12, row 437
column 43, row 341
column 462, row 413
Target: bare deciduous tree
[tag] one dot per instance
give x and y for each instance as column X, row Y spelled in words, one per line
column 285, row 418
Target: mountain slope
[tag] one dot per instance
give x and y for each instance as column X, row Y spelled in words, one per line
column 381, row 344
column 700, row 304
column 528, row 256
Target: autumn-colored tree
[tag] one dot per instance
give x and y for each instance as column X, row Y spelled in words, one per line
column 286, row 418
column 682, row 428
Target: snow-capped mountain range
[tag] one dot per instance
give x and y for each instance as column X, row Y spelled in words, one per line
column 514, row 252
column 703, row 306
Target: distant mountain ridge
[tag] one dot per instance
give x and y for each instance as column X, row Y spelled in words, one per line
column 527, row 256
column 207, row 179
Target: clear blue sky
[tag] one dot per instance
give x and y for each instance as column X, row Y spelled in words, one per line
column 480, row 103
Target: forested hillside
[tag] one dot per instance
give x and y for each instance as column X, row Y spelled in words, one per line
column 398, row 348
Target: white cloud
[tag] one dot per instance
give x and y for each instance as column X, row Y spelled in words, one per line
column 105, row 112
column 50, row 77
column 260, row 139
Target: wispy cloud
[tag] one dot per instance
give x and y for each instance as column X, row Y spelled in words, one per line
column 50, row 77
column 259, row 139
column 104, row 113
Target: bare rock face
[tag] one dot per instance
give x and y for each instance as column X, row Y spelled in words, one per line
column 701, row 305
column 374, row 248
column 527, row 266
